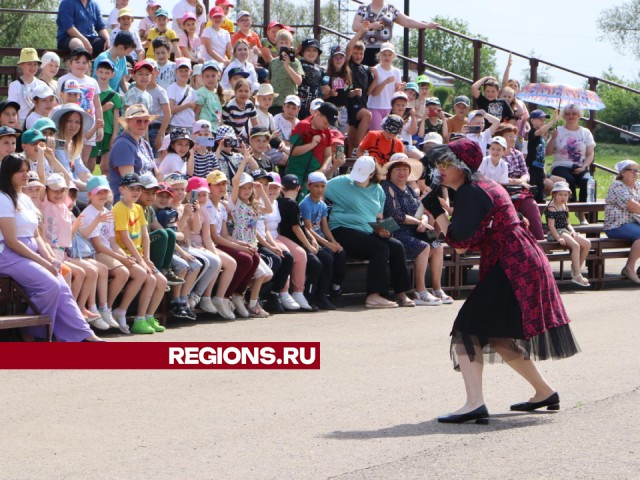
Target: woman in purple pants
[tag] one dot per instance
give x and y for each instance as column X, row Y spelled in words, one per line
column 23, row 256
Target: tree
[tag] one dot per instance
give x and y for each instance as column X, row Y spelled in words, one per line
column 621, row 25
column 452, row 53
column 22, row 30
column 622, row 107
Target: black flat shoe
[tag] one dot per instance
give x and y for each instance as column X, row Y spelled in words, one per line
column 480, row 415
column 552, row 403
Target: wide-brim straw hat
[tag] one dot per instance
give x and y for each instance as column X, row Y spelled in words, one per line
column 136, row 111
column 87, row 120
column 401, row 159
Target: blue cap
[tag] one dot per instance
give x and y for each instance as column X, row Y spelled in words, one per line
column 32, row 136
column 44, row 123
column 539, row 114
column 4, row 131
column 161, row 12
column 106, row 62
column 97, row 181
column 212, row 64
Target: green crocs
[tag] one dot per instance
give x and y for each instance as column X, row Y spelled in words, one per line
column 153, row 323
column 141, row 327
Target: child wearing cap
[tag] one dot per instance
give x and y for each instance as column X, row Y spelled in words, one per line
column 133, row 238
column 259, row 142
column 160, row 29
column 137, row 94
column 240, row 112
column 461, row 106
column 159, row 109
column 151, row 20
column 400, row 107
column 315, row 214
column 204, row 159
column 536, row 145
column 182, row 97
column 229, row 152
column 9, row 115
column 123, row 44
column 44, row 99
column 386, row 80
column 216, row 40
column 264, row 99
column 337, row 89
column 244, row 23
column 210, row 95
column 435, row 120
column 112, row 21
column 289, row 118
column 179, row 158
column 189, row 41
column 382, row 144
column 493, row 166
column 8, row 138
column 35, row 146
column 269, row 50
column 285, row 75
column 313, row 75
column 21, row 90
column 125, row 22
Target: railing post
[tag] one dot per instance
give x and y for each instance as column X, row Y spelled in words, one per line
column 267, row 15
column 477, row 45
column 405, row 45
column 591, row 124
column 533, row 70
column 316, row 19
column 421, row 51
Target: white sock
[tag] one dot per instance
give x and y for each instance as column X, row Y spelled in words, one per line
column 253, row 303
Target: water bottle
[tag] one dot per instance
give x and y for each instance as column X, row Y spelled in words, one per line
column 591, row 190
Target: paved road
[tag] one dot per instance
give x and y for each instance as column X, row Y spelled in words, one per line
column 367, row 414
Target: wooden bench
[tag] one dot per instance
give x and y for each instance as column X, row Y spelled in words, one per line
column 12, row 297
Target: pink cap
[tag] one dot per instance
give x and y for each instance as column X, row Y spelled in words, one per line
column 183, row 62
column 197, row 184
column 275, row 178
column 189, row 16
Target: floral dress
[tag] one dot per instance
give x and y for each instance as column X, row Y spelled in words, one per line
column 245, row 223
column 516, row 300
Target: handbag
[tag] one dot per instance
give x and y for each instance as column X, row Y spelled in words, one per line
column 81, row 247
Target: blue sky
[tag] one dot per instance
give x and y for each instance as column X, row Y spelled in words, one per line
column 563, row 32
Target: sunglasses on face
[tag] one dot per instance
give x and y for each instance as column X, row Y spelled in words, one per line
column 142, row 121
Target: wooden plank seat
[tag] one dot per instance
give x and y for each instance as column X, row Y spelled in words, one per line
column 12, row 300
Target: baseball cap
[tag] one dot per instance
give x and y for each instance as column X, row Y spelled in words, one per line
column 42, row 91
column 165, row 188
column 315, row 177
column 338, row 50
column 197, row 184
column 216, row 177
column 55, row 181
column 80, row 51
column 5, row 131
column 420, row 79
column 432, row 137
column 216, row 12
column 432, row 101
column 397, row 95
column 330, row 111
column 8, row 103
column 315, row 104
column 275, row 178
column 130, row 180
column 105, row 62
column 310, row 43
column 183, row 62
column 259, row 131
column 500, row 141
column 363, row 167
column 211, row 64
column 224, row 3
column 148, row 181
column 189, row 16
column 143, row 64
column 290, row 182
column 161, row 12
column 152, row 3
column 237, row 71
column 200, row 125
column 71, row 86
column 49, row 57
column 34, row 180
column 97, row 183
column 242, row 13
column 260, row 173
column 125, row 12
column 32, row 136
column 44, row 123
column 462, row 99
column 387, row 47
column 245, row 178
column 472, row 115
column 337, row 137
column 292, row 99
column 175, row 179
column 392, row 124
column 539, row 114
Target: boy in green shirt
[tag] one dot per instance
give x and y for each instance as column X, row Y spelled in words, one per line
column 285, row 75
column 111, row 106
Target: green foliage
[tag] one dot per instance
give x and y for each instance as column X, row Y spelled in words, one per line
column 445, row 95
column 621, row 25
column 622, row 107
column 22, row 30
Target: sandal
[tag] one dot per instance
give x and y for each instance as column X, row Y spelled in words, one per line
column 258, row 312
column 384, row 303
column 405, row 302
column 580, row 280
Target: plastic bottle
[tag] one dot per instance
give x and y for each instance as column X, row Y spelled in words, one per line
column 591, row 190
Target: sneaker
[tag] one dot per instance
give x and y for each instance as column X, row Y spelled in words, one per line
column 323, row 303
column 446, row 299
column 172, row 278
column 272, row 304
column 153, row 323
column 206, row 305
column 108, row 318
column 425, row 298
column 223, row 308
column 191, row 315
column 238, row 302
column 122, row 324
column 194, row 300
column 99, row 323
column 179, row 311
column 288, row 302
column 142, row 327
column 302, row 301
column 335, row 297
column 258, row 312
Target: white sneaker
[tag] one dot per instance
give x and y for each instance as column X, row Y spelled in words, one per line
column 99, row 323
column 108, row 318
column 122, row 324
column 206, row 305
column 302, row 301
column 193, row 300
column 288, row 302
column 238, row 302
column 446, row 299
column 425, row 298
column 223, row 308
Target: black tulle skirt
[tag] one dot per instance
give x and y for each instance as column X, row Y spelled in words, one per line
column 490, row 324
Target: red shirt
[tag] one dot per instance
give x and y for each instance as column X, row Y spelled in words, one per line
column 253, row 38
column 306, row 132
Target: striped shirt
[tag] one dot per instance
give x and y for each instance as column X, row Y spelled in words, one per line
column 237, row 117
column 204, row 163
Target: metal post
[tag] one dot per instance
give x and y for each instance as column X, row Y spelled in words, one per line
column 533, row 70
column 316, row 19
column 477, row 45
column 405, row 47
column 266, row 15
column 421, row 51
column 591, row 124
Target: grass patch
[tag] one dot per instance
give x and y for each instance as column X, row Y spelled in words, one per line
column 608, row 154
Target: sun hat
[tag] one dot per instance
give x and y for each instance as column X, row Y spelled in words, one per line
column 392, row 124
column 136, row 110
column 245, row 178
column 97, row 183
column 432, row 137
column 420, row 79
column 164, row 188
column 402, row 159
column 32, row 136
column 315, row 177
column 362, row 169
column 330, row 111
column 468, row 152
column 28, row 55
column 290, row 182
column 49, row 57
column 275, row 178
column 216, row 11
column 130, row 180
column 225, row 131
column 181, row 133
column 34, row 180
column 199, row 125
column 387, row 47
column 70, row 86
column 197, row 184
column 161, row 12
column 623, row 165
column 412, row 86
column 500, row 141
column 148, row 181
column 266, row 89
column 55, row 181
column 216, row 177
column 125, row 12
column 561, row 187
column 87, row 120
column 8, row 131
column 462, row 99
column 189, row 16
column 175, row 179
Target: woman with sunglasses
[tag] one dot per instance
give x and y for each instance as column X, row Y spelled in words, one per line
column 515, row 310
column 131, row 153
column 622, row 213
